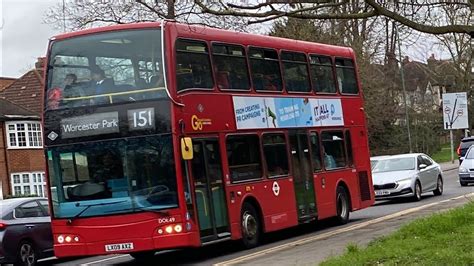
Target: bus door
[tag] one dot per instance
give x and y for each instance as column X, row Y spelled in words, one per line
column 209, row 189
column 302, row 175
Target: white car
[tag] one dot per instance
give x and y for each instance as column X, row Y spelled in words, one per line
column 466, row 169
column 407, row 175
column 375, row 159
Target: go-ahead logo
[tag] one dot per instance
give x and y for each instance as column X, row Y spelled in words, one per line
column 198, row 123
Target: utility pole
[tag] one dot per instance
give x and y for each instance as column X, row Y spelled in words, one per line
column 407, row 118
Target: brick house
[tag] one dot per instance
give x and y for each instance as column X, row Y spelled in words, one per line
column 22, row 161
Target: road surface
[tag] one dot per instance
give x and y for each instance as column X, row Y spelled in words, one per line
column 301, row 245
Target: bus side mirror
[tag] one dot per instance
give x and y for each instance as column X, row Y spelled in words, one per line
column 187, row 148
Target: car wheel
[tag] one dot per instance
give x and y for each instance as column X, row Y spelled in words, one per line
column 250, row 226
column 26, row 255
column 143, row 255
column 439, row 187
column 417, row 192
column 342, row 206
column 463, row 184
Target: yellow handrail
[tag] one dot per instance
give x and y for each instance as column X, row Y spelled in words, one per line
column 112, row 94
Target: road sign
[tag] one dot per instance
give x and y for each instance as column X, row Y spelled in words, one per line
column 455, row 110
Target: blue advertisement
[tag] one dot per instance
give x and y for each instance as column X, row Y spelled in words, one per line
column 269, row 112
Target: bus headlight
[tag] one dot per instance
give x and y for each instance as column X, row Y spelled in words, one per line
column 171, row 228
column 462, row 170
column 60, row 239
column 178, row 228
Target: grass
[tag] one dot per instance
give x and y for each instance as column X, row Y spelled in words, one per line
column 444, row 155
column 442, row 239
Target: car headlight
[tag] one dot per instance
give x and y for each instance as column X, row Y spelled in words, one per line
column 462, row 170
column 406, row 181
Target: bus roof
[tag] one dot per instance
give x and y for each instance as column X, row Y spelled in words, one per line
column 227, row 36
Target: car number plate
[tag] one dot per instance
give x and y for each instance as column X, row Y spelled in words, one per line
column 118, row 247
column 382, row 192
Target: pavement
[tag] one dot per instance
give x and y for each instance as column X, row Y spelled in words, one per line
column 449, row 166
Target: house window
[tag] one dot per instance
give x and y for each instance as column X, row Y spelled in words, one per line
column 24, row 135
column 28, row 184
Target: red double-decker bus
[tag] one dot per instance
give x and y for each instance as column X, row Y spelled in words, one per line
column 164, row 135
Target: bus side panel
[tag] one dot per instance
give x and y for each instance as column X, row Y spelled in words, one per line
column 353, row 110
column 365, row 195
column 326, row 185
column 276, row 203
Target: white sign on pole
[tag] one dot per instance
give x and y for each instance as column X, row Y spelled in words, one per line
column 455, row 110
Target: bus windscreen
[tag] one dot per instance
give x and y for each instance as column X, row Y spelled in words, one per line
column 105, row 68
column 111, row 177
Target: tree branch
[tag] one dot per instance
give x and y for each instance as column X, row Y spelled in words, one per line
column 418, row 26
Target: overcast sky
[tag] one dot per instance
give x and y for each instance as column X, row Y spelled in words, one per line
column 23, row 35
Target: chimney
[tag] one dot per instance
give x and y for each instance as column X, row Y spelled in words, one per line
column 431, row 61
column 406, row 60
column 40, row 63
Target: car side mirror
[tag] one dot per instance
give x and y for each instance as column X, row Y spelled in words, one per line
column 422, row 166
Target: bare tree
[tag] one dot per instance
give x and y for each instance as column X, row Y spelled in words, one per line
column 416, row 14
column 80, row 14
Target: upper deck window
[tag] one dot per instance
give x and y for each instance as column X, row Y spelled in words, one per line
column 266, row 75
column 193, row 67
column 322, row 74
column 102, row 68
column 230, row 67
column 346, row 78
column 295, row 70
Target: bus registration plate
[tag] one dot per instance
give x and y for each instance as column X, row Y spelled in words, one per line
column 118, row 247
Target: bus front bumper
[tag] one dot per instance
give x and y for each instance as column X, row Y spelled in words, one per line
column 126, row 246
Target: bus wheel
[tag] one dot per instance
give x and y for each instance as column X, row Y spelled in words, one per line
column 342, row 205
column 250, row 226
column 143, row 255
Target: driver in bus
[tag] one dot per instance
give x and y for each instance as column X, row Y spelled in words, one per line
column 109, row 168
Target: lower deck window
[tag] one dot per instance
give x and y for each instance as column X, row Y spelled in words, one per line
column 243, row 155
column 333, row 147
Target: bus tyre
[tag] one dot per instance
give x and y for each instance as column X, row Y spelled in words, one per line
column 417, row 192
column 439, row 187
column 143, row 256
column 250, row 226
column 463, row 184
column 342, row 206
column 26, row 255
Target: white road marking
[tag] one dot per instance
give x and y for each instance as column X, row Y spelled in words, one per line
column 335, row 232
column 103, row 260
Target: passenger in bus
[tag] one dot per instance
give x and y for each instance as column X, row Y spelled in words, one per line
column 222, row 77
column 70, row 80
column 329, row 162
column 323, row 79
column 157, row 81
column 271, row 82
column 100, row 83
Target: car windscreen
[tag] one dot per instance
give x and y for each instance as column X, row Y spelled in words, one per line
column 394, row 164
column 469, row 154
column 105, row 68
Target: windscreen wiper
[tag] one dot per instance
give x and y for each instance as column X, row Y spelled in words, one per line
column 91, row 205
column 162, row 212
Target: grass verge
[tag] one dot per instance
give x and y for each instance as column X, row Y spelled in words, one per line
column 444, row 154
column 442, row 239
